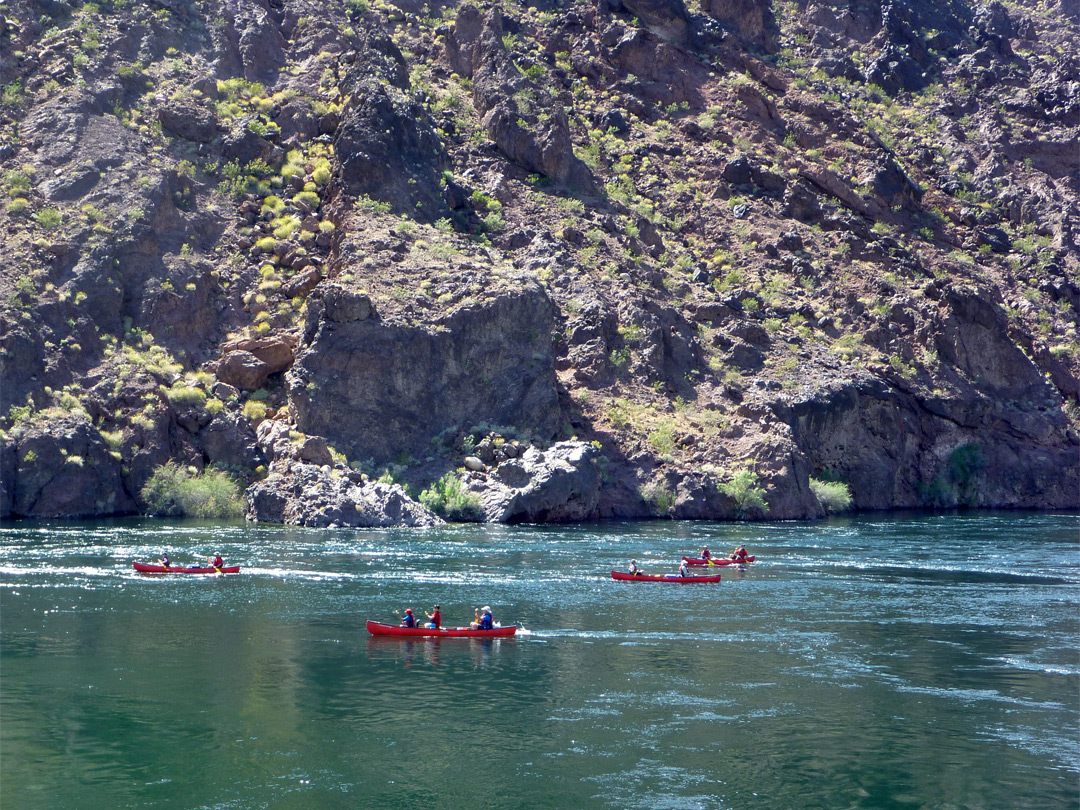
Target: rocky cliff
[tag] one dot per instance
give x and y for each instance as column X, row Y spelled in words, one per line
column 579, row 260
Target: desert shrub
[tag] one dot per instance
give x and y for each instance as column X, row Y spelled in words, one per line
column 834, row 496
column 742, row 487
column 254, row 409
column 662, row 438
column 309, row 197
column 48, row 218
column 448, row 500
column 184, row 395
column 322, row 174
column 176, row 490
column 660, row 497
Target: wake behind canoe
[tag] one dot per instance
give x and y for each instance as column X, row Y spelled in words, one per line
column 379, row 629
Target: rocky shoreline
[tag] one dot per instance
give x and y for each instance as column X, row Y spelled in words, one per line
column 599, row 260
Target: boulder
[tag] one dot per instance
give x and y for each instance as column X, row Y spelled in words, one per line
column 189, row 121
column 275, row 352
column 243, row 370
column 558, row 485
column 320, row 496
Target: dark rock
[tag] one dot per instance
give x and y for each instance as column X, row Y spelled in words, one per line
column 750, row 20
column 384, row 389
column 614, row 120
column 996, row 238
column 188, row 120
column 737, row 171
column 62, row 468
column 893, row 69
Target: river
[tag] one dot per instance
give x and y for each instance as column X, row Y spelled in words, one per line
column 892, row 661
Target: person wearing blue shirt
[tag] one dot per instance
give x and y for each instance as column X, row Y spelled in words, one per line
column 483, row 619
column 408, row 620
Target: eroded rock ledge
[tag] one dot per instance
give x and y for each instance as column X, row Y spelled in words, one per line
column 557, row 485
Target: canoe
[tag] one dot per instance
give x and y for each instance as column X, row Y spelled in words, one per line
column 717, row 561
column 624, row 577
column 143, row 568
column 378, row 629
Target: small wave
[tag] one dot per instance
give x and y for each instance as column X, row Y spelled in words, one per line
column 51, row 570
column 1034, row 666
column 942, row 573
column 295, row 573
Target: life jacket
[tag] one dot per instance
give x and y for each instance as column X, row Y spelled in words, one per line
column 486, row 622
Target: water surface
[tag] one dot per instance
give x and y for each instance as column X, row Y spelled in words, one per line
column 926, row 661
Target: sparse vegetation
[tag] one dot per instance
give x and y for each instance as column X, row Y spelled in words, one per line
column 447, row 498
column 177, row 491
column 834, row 496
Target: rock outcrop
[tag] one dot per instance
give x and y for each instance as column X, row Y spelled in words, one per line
column 557, row 485
column 309, row 495
column 377, row 389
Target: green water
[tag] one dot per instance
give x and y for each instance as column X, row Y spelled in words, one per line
column 888, row 662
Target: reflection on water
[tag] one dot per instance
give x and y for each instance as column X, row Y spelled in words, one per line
column 851, row 666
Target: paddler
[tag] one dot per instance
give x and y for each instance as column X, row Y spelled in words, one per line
column 217, row 562
column 683, row 570
column 637, row 572
column 165, row 558
column 408, row 620
column 436, row 618
column 482, row 619
column 739, row 554
column 705, row 553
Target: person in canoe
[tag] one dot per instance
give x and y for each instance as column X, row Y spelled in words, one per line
column 408, row 620
column 738, row 554
column 684, row 571
column 435, row 618
column 482, row 619
column 705, row 553
column 634, row 569
column 164, row 559
column 217, row 562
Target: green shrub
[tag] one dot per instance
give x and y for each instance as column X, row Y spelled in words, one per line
column 48, row 218
column 177, row 491
column 834, row 496
column 182, row 395
column 660, row 497
column 446, row 498
column 742, row 488
column 255, row 410
column 309, row 197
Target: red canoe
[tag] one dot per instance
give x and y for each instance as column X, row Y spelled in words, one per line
column 622, row 577
column 143, row 568
column 377, row 629
column 716, row 561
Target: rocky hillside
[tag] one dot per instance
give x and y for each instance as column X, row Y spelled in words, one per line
column 575, row 259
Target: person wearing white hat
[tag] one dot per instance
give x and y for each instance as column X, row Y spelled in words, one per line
column 634, row 569
column 482, row 619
